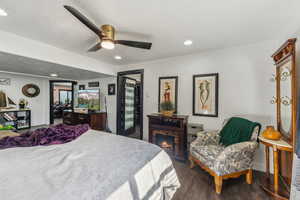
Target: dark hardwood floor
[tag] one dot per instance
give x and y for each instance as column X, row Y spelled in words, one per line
column 196, row 184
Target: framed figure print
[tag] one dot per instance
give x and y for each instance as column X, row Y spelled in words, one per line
column 205, row 95
column 111, row 89
column 3, row 99
column 168, row 91
column 81, row 87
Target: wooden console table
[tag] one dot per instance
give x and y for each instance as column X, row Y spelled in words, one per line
column 96, row 120
column 174, row 126
column 273, row 187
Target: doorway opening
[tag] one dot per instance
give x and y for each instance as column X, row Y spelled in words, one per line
column 61, row 99
column 130, row 103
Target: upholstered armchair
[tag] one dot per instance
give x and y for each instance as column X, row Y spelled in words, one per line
column 223, row 162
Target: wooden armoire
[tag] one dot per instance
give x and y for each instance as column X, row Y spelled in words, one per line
column 286, row 107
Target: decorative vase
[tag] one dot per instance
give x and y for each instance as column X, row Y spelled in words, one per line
column 22, row 106
column 168, row 113
column 271, row 134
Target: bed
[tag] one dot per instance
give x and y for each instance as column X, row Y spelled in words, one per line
column 95, row 166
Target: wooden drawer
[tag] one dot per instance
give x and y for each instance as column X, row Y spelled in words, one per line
column 97, row 121
column 83, row 119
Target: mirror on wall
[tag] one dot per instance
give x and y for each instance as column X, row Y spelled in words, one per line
column 285, row 97
column 285, row 63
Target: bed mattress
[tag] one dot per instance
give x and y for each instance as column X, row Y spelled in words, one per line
column 95, row 166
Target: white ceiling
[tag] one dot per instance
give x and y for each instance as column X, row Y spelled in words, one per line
column 29, row 66
column 209, row 23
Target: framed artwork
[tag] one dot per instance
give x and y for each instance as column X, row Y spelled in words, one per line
column 94, row 84
column 111, row 89
column 3, row 100
column 168, row 89
column 4, row 81
column 205, row 95
column 81, row 87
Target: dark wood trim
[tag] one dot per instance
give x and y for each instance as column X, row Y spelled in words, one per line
column 119, row 90
column 176, row 90
column 51, row 82
column 216, row 95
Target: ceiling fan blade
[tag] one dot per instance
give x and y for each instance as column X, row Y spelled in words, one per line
column 141, row 45
column 84, row 20
column 96, row 47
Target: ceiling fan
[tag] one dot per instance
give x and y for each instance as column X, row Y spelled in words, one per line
column 106, row 34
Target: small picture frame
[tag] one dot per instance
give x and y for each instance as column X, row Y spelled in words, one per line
column 206, row 95
column 94, row 84
column 168, row 90
column 81, row 87
column 111, row 89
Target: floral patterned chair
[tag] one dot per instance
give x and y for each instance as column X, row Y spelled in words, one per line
column 223, row 162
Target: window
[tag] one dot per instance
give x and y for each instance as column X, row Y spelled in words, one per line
column 65, row 96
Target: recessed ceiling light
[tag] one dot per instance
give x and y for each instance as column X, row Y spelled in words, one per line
column 2, row 12
column 118, row 57
column 53, row 75
column 107, row 44
column 188, row 42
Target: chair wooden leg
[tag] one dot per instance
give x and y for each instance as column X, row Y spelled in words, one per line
column 192, row 163
column 249, row 176
column 218, row 184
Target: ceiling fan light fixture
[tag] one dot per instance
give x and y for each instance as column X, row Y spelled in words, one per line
column 107, row 44
column 106, row 34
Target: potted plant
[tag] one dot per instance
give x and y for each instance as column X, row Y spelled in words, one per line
column 167, row 108
column 22, row 103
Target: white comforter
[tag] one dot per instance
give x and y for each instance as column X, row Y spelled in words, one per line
column 95, row 166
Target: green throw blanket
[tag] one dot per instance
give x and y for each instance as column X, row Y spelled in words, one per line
column 237, row 130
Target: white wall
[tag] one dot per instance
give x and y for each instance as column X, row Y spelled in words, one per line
column 110, row 99
column 244, row 84
column 39, row 105
column 17, row 45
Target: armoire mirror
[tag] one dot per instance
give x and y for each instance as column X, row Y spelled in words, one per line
column 285, row 92
column 284, row 59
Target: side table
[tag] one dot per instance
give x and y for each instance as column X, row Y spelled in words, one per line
column 270, row 187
